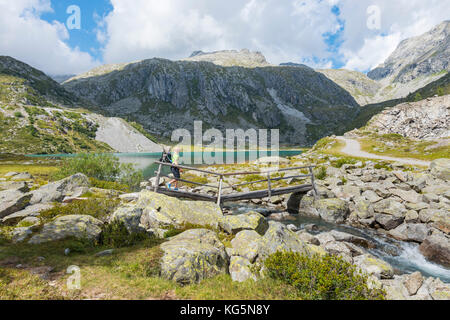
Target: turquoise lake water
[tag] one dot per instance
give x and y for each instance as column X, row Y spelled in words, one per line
column 146, row 161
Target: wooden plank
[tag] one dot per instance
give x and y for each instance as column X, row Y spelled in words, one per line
column 264, row 193
column 261, row 172
column 185, row 194
column 158, row 175
column 219, row 195
column 272, row 179
column 191, row 182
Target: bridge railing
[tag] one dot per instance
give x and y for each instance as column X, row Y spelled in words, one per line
column 221, row 177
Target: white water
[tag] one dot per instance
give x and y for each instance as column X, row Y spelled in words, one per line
column 405, row 257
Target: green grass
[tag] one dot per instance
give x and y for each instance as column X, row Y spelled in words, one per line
column 129, row 273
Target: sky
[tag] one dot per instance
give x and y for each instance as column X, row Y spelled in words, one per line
column 64, row 37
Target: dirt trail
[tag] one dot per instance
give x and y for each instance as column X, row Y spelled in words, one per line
column 353, row 148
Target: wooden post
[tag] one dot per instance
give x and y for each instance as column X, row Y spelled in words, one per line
column 270, row 187
column 313, row 183
column 158, row 175
column 219, row 195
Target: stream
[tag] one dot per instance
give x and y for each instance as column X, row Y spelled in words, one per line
column 404, row 257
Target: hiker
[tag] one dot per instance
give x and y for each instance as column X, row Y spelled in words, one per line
column 174, row 168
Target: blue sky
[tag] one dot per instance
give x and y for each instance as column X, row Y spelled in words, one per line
column 86, row 37
column 319, row 33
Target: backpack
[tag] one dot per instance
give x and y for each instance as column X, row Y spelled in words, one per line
column 166, row 157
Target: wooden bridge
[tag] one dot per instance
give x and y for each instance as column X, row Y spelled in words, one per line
column 236, row 196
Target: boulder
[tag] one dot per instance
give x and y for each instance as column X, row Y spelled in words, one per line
column 347, row 237
column 440, row 168
column 331, row 210
column 374, row 266
column 390, row 206
column 388, row 222
column 240, row 269
column 436, row 248
column 439, row 290
column 130, row 216
column 408, row 196
column 30, row 211
column 308, row 238
column 12, row 201
column 363, row 209
column 233, row 224
column 15, row 185
column 413, row 282
column 57, row 191
column 21, row 234
column 161, row 211
column 415, row 232
column 77, row 226
column 279, row 238
column 192, row 256
column 395, row 289
column 247, row 244
column 371, row 196
column 440, row 218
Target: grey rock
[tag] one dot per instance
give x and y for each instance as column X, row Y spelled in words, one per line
column 233, row 224
column 436, row 248
column 416, row 232
column 30, row 211
column 12, row 201
column 240, row 269
column 388, row 222
column 413, row 282
column 192, row 256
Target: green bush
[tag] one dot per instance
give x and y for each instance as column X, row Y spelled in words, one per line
column 321, row 277
column 116, row 235
column 18, row 114
column 105, row 167
column 97, row 208
column 341, row 161
column 320, row 173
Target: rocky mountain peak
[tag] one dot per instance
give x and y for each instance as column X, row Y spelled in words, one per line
column 231, row 58
column 421, row 56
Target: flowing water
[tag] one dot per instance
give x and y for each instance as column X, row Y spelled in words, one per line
column 404, row 257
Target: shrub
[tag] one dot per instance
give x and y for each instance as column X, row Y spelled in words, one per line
column 320, row 173
column 340, row 162
column 320, row 277
column 105, row 167
column 116, row 234
column 253, row 177
column 18, row 114
column 97, row 208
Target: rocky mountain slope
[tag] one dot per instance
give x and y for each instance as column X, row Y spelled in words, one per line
column 165, row 95
column 428, row 119
column 230, row 58
column 35, row 118
column 415, row 63
column 361, row 87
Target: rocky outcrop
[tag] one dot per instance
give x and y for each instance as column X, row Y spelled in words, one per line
column 12, row 201
column 231, row 58
column 331, row 210
column 76, row 226
column 416, row 62
column 192, row 256
column 160, row 211
column 428, row 119
column 57, row 191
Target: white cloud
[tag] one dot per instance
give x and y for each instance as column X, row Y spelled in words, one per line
column 364, row 49
column 283, row 31
column 24, row 36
